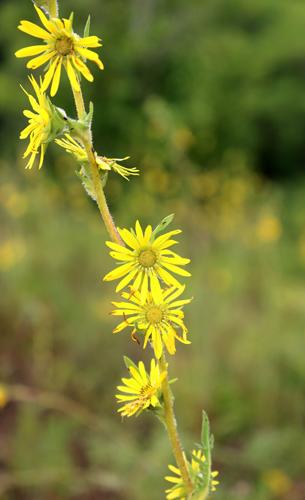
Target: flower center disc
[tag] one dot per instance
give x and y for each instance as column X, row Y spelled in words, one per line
column 64, row 46
column 147, row 258
column 147, row 392
column 154, row 315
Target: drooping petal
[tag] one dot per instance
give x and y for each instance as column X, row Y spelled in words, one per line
column 72, row 76
column 92, row 56
column 176, row 269
column 42, row 152
column 40, row 60
column 56, row 79
column 50, row 72
column 78, row 63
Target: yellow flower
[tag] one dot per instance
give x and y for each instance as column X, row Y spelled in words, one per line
column 40, row 124
column 196, row 473
column 11, row 253
column 141, row 390
column 269, row 228
column 147, row 261
column 111, row 164
column 159, row 316
column 61, row 47
column 277, row 482
column 78, row 151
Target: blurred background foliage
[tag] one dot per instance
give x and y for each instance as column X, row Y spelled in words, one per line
column 208, row 99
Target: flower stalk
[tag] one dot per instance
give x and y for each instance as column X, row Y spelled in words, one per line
column 171, row 426
column 96, row 180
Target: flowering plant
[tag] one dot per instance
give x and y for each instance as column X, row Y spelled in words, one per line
column 148, row 271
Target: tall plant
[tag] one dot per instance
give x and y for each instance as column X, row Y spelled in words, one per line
column 148, row 271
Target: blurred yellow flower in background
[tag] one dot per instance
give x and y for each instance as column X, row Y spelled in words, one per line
column 14, row 202
column 205, row 185
column 61, row 47
column 159, row 316
column 277, row 482
column 156, row 179
column 141, row 390
column 147, row 261
column 268, row 229
column 11, row 253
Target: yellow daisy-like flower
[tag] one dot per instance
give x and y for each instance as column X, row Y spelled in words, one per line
column 146, row 261
column 159, row 316
column 61, row 47
column 73, row 147
column 195, row 470
column 40, row 124
column 141, row 390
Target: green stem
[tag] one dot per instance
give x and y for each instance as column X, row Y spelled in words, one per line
column 79, row 103
column 203, row 495
column 100, row 196
column 53, row 8
column 98, row 187
column 171, row 425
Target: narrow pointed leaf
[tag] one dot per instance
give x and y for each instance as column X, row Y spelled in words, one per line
column 128, row 362
column 163, row 224
column 87, row 27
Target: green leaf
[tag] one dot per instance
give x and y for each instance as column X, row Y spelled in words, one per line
column 173, row 380
column 82, row 174
column 89, row 115
column 206, row 448
column 128, row 362
column 205, row 433
column 87, row 27
column 163, row 224
column 42, row 4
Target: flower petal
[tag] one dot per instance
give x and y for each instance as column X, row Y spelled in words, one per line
column 34, row 30
column 72, row 76
column 32, row 50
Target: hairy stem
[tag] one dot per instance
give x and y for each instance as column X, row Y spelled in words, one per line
column 79, row 103
column 203, row 495
column 100, row 196
column 53, row 8
column 97, row 182
column 171, row 425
